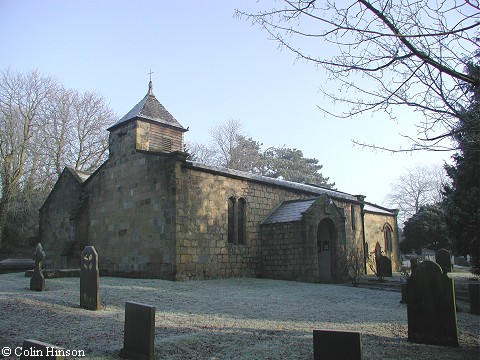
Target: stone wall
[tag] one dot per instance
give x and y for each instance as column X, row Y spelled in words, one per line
column 374, row 232
column 131, row 208
column 203, row 250
column 284, row 256
column 132, row 214
column 56, row 227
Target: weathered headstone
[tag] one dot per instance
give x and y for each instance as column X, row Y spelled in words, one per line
column 413, row 265
column 89, row 279
column 444, row 259
column 37, row 281
column 474, row 295
column 431, row 312
column 403, row 289
column 139, row 334
column 337, row 345
column 33, row 349
column 384, row 266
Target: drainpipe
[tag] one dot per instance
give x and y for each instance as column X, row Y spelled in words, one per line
column 361, row 199
column 398, row 237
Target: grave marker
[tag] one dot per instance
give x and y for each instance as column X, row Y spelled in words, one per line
column 337, row 345
column 474, row 295
column 139, row 334
column 444, row 259
column 33, row 349
column 37, row 281
column 89, row 279
column 432, row 316
column 384, row 266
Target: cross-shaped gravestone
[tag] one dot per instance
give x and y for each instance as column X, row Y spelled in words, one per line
column 89, row 279
column 37, row 281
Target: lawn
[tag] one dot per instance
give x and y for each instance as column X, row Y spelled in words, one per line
column 221, row 319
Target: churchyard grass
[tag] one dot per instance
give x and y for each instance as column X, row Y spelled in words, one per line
column 221, row 319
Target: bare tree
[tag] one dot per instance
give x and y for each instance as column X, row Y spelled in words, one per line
column 224, row 140
column 74, row 130
column 44, row 127
column 420, row 185
column 387, row 54
column 91, row 116
column 22, row 101
column 200, row 152
column 232, row 149
column 57, row 133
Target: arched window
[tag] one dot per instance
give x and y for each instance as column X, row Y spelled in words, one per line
column 242, row 220
column 232, row 202
column 237, row 220
column 387, row 234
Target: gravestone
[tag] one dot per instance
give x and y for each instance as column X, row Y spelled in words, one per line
column 37, row 281
column 89, row 279
column 403, row 289
column 337, row 345
column 413, row 265
column 139, row 334
column 431, row 312
column 474, row 296
column 384, row 266
column 33, row 349
column 444, row 259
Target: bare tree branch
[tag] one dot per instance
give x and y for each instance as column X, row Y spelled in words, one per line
column 385, row 55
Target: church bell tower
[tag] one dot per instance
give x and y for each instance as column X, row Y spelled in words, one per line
column 147, row 127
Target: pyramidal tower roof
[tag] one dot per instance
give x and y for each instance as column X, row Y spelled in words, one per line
column 150, row 109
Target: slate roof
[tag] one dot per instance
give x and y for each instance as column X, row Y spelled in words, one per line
column 149, row 108
column 289, row 211
column 311, row 189
column 373, row 208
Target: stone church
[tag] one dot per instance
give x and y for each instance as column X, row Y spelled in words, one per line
column 150, row 212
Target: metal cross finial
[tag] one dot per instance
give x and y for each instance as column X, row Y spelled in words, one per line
column 150, row 85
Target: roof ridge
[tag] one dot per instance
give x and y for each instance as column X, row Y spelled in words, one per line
column 274, row 181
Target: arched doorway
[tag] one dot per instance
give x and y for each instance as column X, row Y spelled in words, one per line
column 326, row 238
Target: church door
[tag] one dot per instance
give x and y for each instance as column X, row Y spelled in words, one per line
column 326, row 234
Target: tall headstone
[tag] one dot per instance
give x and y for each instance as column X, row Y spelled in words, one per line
column 444, row 259
column 139, row 334
column 337, row 345
column 89, row 279
column 432, row 316
column 37, row 281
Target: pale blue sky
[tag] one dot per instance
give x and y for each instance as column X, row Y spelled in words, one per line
column 208, row 67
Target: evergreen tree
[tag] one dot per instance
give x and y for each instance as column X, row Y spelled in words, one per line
column 427, row 229
column 289, row 164
column 230, row 148
column 462, row 197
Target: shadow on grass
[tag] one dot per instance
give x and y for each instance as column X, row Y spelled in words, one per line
column 233, row 343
